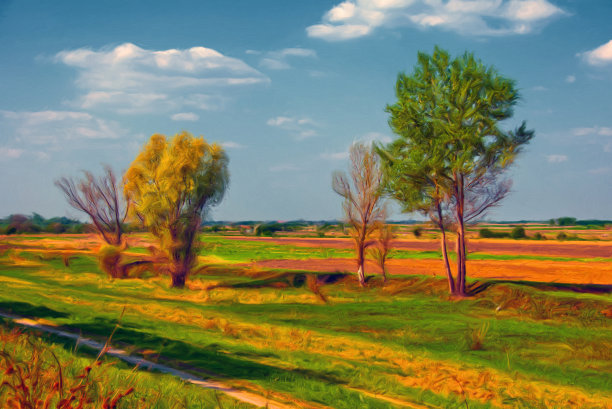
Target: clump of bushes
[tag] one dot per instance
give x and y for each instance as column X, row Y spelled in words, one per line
column 417, row 231
column 490, row 234
column 518, row 233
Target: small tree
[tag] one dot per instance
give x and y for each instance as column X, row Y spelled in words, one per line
column 380, row 251
column 99, row 198
column 173, row 184
column 448, row 113
column 363, row 205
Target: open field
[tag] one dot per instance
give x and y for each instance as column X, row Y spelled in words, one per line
column 317, row 340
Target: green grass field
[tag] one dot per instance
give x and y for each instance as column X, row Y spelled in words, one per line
column 510, row 346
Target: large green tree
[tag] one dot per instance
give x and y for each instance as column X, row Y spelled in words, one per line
column 172, row 184
column 451, row 154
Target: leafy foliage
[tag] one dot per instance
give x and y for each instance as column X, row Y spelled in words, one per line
column 451, row 154
column 173, row 184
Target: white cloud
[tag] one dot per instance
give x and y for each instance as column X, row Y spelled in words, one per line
column 300, row 128
column 10, row 153
column 570, row 79
column 595, row 130
column 232, row 145
column 56, row 127
column 359, row 18
column 279, row 60
column 185, row 116
column 335, row 155
column 556, row 158
column 602, row 55
column 130, row 79
column 539, row 88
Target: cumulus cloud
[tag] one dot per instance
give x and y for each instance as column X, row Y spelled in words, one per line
column 130, row 79
column 52, row 127
column 556, row 158
column 570, row 79
column 602, row 55
column 185, row 116
column 358, row 18
column 300, row 128
column 279, row 60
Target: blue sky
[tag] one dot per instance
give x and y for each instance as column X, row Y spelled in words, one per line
column 287, row 87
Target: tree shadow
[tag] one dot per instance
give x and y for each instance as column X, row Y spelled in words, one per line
column 30, row 311
column 203, row 359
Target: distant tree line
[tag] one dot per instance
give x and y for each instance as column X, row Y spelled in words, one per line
column 35, row 223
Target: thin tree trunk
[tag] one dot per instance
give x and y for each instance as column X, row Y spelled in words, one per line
column 461, row 267
column 361, row 266
column 449, row 274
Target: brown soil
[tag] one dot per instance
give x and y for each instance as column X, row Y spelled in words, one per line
column 575, row 249
column 572, row 272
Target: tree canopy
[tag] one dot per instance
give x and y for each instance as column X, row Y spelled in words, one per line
column 451, row 152
column 173, row 184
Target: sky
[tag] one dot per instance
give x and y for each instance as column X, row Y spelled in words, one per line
column 286, row 87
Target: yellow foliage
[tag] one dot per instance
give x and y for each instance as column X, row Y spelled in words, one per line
column 171, row 184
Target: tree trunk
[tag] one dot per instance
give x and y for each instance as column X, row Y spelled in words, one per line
column 449, row 274
column 361, row 275
column 178, row 278
column 361, row 261
column 461, row 254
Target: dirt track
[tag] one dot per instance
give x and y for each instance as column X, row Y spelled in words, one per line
column 571, row 272
column 575, row 249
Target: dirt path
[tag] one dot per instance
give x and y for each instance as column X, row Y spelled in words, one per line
column 578, row 249
column 570, row 272
column 243, row 396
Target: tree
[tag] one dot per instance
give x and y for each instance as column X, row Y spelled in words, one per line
column 363, row 205
column 380, row 251
column 173, row 184
column 100, row 198
column 448, row 118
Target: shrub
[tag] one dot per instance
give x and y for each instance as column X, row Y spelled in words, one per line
column 490, row 234
column 417, row 231
column 561, row 236
column 109, row 257
column 539, row 236
column 33, row 377
column 518, row 233
column 475, row 337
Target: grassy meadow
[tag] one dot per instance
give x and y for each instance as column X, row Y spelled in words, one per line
column 316, row 339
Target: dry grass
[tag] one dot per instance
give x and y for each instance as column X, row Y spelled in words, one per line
column 33, row 377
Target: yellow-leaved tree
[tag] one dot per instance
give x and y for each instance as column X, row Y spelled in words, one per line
column 172, row 184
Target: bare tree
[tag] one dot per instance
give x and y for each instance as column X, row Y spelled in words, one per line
column 382, row 247
column 363, row 204
column 100, row 198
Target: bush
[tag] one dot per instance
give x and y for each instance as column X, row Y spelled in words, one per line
column 539, row 236
column 417, row 231
column 566, row 221
column 490, row 234
column 109, row 258
column 561, row 236
column 518, row 233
